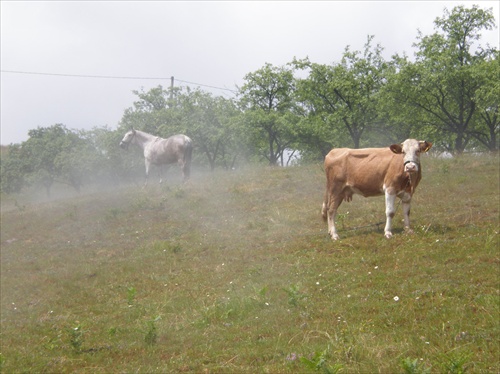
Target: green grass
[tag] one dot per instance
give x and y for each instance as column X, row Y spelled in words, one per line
column 235, row 272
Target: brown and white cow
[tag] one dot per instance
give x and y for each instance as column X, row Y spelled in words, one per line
column 393, row 171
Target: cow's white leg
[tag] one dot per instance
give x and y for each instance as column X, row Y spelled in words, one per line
column 324, row 211
column 390, row 210
column 331, row 214
column 406, row 200
column 331, row 226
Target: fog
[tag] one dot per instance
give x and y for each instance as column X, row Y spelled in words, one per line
column 77, row 63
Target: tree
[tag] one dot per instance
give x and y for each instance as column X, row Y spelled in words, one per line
column 439, row 90
column 106, row 161
column 267, row 100
column 208, row 119
column 487, row 103
column 12, row 177
column 345, row 95
column 156, row 112
column 198, row 114
column 55, row 154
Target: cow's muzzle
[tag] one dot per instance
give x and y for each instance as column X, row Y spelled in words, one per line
column 411, row 166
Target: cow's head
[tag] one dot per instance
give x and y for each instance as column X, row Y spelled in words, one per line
column 411, row 150
column 127, row 139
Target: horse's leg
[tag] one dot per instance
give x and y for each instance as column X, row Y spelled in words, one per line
column 184, row 165
column 181, row 164
column 147, row 163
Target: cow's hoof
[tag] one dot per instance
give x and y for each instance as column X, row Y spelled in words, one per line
column 409, row 231
column 335, row 236
column 388, row 234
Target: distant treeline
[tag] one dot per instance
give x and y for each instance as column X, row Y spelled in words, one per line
column 448, row 93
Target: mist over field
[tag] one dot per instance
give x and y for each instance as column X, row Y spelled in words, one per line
column 235, row 272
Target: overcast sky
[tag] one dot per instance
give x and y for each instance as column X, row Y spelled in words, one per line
column 205, row 43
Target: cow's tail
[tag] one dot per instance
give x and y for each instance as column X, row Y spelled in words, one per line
column 188, row 153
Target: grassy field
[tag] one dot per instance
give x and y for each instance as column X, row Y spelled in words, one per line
column 235, row 272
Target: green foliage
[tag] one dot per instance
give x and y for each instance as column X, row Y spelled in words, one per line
column 57, row 155
column 414, row 366
column 294, row 295
column 345, row 95
column 318, row 362
column 131, row 293
column 267, row 99
column 444, row 92
column 76, row 337
column 13, row 167
column 456, row 363
column 487, row 121
column 151, row 332
column 208, row 120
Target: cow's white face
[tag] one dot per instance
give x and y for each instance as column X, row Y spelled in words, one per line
column 411, row 150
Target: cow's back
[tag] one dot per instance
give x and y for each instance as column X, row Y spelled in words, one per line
column 363, row 171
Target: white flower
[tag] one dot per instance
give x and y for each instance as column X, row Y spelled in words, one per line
column 396, row 298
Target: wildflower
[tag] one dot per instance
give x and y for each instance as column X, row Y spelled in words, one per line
column 291, row 357
column 396, row 298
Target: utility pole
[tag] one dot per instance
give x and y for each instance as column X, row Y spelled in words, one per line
column 171, row 88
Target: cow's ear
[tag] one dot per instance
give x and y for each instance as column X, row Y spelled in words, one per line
column 396, row 148
column 425, row 146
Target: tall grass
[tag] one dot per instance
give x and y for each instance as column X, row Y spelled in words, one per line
column 235, row 272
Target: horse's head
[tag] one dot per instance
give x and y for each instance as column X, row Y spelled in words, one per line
column 127, row 139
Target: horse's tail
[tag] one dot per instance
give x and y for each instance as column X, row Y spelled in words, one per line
column 188, row 152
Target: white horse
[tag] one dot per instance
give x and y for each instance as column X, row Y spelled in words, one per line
column 159, row 151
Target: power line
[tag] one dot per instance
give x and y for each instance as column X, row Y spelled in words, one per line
column 113, row 77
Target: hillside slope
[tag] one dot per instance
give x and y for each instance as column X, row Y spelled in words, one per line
column 235, row 272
